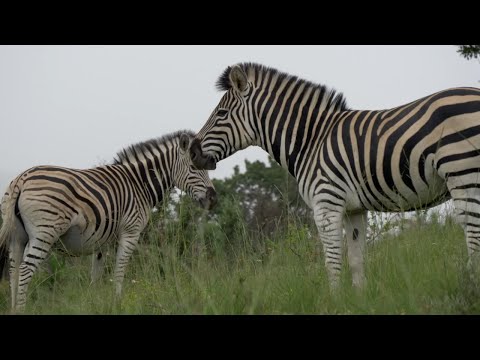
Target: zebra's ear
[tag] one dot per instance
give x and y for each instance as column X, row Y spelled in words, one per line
column 184, row 142
column 238, row 78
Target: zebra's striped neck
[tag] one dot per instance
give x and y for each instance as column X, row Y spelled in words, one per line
column 284, row 106
column 150, row 165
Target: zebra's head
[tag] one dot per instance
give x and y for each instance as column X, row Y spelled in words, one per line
column 196, row 183
column 229, row 128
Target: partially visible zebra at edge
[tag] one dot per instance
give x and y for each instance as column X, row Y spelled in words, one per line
column 347, row 162
column 78, row 212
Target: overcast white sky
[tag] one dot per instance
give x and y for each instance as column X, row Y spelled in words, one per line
column 76, row 106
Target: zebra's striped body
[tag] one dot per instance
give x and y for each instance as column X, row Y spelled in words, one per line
column 79, row 211
column 347, row 162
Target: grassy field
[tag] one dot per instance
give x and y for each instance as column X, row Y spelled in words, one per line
column 421, row 271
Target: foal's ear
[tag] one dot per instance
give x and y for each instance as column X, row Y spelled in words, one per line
column 184, row 142
column 238, row 78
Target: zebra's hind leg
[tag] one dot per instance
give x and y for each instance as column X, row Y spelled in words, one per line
column 330, row 225
column 16, row 251
column 356, row 231
column 126, row 245
column 36, row 251
column 465, row 194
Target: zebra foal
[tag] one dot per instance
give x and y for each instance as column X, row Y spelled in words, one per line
column 78, row 211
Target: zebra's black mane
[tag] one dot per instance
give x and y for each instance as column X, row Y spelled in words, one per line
column 124, row 154
column 337, row 98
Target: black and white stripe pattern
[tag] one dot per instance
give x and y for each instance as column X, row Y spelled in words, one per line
column 349, row 161
column 78, row 211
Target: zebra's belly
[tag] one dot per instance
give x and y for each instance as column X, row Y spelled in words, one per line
column 75, row 243
column 421, row 201
column 402, row 198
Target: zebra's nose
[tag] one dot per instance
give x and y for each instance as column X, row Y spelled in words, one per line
column 210, row 163
column 200, row 160
column 211, row 197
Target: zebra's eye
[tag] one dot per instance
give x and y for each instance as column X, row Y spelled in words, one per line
column 222, row 112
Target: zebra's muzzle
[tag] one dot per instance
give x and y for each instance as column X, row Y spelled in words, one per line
column 201, row 161
column 210, row 199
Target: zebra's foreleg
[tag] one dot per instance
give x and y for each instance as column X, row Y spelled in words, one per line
column 467, row 213
column 98, row 266
column 330, row 224
column 356, row 230
column 126, row 246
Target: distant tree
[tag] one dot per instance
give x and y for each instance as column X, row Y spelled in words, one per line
column 266, row 194
column 469, row 51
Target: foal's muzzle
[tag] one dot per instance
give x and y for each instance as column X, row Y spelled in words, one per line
column 210, row 199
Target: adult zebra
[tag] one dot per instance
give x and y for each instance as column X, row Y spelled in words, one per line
column 79, row 211
column 349, row 161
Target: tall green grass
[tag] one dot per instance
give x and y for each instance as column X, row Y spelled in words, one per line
column 191, row 267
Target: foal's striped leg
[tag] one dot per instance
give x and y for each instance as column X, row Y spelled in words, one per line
column 37, row 250
column 16, row 251
column 126, row 245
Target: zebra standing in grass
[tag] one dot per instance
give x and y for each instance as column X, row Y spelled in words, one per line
column 79, row 211
column 349, row 161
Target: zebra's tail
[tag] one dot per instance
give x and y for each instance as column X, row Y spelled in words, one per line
column 8, row 229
